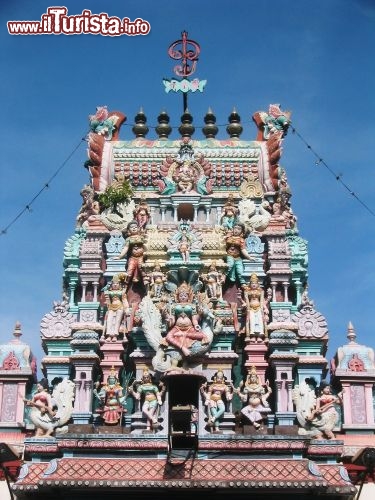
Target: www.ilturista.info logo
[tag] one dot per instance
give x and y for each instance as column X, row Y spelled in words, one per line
column 56, row 22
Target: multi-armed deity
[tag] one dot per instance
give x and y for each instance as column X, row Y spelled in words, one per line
column 186, row 262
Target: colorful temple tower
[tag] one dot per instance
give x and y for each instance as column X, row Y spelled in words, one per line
column 185, row 352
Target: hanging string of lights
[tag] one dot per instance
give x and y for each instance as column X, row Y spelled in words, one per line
column 27, row 208
column 338, row 177
column 319, row 161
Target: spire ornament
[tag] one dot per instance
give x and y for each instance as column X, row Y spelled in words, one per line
column 187, row 51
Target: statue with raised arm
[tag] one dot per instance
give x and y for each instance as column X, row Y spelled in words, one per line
column 48, row 413
column 112, row 400
column 150, row 397
column 216, row 394
column 255, row 396
column 236, row 250
column 117, row 304
column 134, row 250
column 321, row 416
column 255, row 328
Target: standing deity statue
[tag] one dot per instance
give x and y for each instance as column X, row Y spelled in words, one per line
column 236, row 250
column 255, row 328
column 230, row 215
column 117, row 305
column 216, row 394
column 156, row 280
column 134, row 250
column 151, row 398
column 112, row 400
column 214, row 281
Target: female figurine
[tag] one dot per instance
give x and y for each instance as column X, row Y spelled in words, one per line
column 42, row 413
column 230, row 215
column 254, row 303
column 216, row 395
column 325, row 416
column 151, row 396
column 255, row 395
column 117, row 304
column 142, row 214
column 157, row 279
column 112, row 400
column 214, row 280
column 183, row 322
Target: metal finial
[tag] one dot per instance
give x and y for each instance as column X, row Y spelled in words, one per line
column 210, row 129
column 351, row 333
column 140, row 128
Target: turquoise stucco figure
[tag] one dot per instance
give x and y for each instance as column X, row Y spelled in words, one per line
column 236, row 249
column 112, row 400
column 145, row 390
column 216, row 395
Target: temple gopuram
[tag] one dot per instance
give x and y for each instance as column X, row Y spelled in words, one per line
column 185, row 355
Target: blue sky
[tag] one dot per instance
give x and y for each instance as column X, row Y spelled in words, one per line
column 314, row 58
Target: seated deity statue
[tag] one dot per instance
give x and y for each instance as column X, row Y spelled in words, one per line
column 183, row 321
column 254, row 395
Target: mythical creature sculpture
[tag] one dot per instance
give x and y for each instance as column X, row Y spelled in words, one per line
column 316, row 415
column 103, row 123
column 121, row 219
column 49, row 413
column 255, row 217
column 272, row 122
